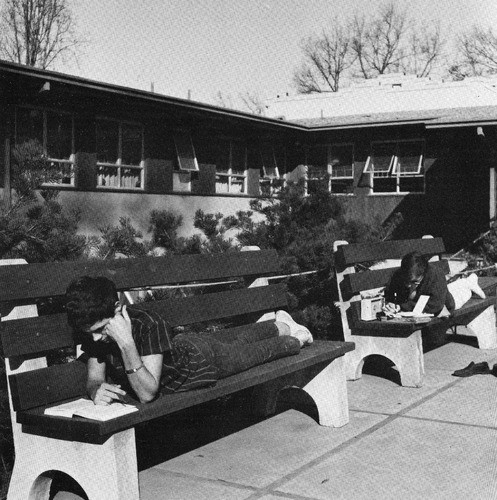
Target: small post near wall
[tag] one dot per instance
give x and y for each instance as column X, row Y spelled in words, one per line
column 492, row 189
column 6, row 180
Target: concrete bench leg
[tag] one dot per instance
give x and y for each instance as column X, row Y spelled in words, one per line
column 328, row 389
column 483, row 327
column 406, row 353
column 108, row 470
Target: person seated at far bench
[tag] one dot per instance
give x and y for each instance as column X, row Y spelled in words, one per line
column 136, row 349
column 416, row 277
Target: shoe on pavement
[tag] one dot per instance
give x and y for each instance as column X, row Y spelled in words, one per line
column 300, row 332
column 473, row 369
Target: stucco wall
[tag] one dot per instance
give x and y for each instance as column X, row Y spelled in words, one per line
column 105, row 208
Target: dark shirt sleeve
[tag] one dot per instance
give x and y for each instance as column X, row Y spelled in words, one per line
column 434, row 285
column 396, row 291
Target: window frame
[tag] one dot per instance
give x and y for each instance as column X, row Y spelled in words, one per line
column 66, row 161
column 229, row 174
column 118, row 165
column 329, row 167
column 393, row 171
column 186, row 140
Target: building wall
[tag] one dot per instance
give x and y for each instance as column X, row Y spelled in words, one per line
column 102, row 209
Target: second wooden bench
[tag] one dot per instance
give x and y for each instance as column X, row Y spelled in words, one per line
column 400, row 342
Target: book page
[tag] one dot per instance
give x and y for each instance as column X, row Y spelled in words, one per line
column 68, row 409
column 87, row 409
column 103, row 413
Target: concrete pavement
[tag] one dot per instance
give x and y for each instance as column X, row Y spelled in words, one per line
column 438, row 441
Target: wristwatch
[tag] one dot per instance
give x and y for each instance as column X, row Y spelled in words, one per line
column 134, row 370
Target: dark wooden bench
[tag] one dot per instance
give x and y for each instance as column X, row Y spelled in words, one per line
column 400, row 341
column 101, row 456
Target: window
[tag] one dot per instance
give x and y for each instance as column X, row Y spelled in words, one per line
column 332, row 164
column 119, row 154
column 185, row 152
column 231, row 168
column 317, row 167
column 341, row 168
column 272, row 159
column 54, row 131
column 397, row 166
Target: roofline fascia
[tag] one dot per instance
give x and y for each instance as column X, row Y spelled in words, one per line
column 462, row 124
column 142, row 94
column 367, row 125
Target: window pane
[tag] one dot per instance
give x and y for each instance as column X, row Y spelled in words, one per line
column 385, row 185
column 29, row 125
column 107, row 176
column 59, row 135
column 185, row 151
column 341, row 161
column 409, row 157
column 269, row 162
column 342, row 186
column 238, row 158
column 223, row 157
column 236, row 185
column 222, row 184
column 411, row 184
column 131, row 144
column 382, row 156
column 317, row 162
column 107, row 141
column 131, row 178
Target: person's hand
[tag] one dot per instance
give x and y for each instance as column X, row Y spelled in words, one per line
column 107, row 394
column 119, row 327
column 390, row 308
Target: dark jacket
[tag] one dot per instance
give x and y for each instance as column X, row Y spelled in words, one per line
column 433, row 284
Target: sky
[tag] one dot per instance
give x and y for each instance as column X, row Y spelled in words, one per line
column 202, row 47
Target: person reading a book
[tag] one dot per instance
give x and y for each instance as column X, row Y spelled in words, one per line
column 130, row 349
column 416, row 276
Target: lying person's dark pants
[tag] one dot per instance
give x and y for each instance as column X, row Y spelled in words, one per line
column 234, row 350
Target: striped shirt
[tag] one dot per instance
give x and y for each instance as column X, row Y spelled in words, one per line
column 186, row 365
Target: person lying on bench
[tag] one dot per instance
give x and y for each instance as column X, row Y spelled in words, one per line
column 138, row 352
column 417, row 277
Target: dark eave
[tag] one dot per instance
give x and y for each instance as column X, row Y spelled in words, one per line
column 144, row 96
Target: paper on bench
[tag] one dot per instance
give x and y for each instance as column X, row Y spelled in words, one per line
column 87, row 409
column 418, row 308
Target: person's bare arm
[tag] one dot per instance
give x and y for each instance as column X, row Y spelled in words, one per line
column 100, row 392
column 145, row 380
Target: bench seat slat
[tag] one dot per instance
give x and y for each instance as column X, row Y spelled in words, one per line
column 34, row 335
column 348, row 255
column 21, row 282
column 36, row 422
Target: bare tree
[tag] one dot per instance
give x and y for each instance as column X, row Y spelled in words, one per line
column 425, row 52
column 252, row 102
column 326, row 58
column 478, row 52
column 37, row 32
column 365, row 47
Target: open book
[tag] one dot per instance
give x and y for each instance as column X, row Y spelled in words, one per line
column 87, row 409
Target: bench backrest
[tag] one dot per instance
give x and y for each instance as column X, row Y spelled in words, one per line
column 26, row 343
column 369, row 266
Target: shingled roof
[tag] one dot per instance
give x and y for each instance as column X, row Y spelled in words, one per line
column 393, row 100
